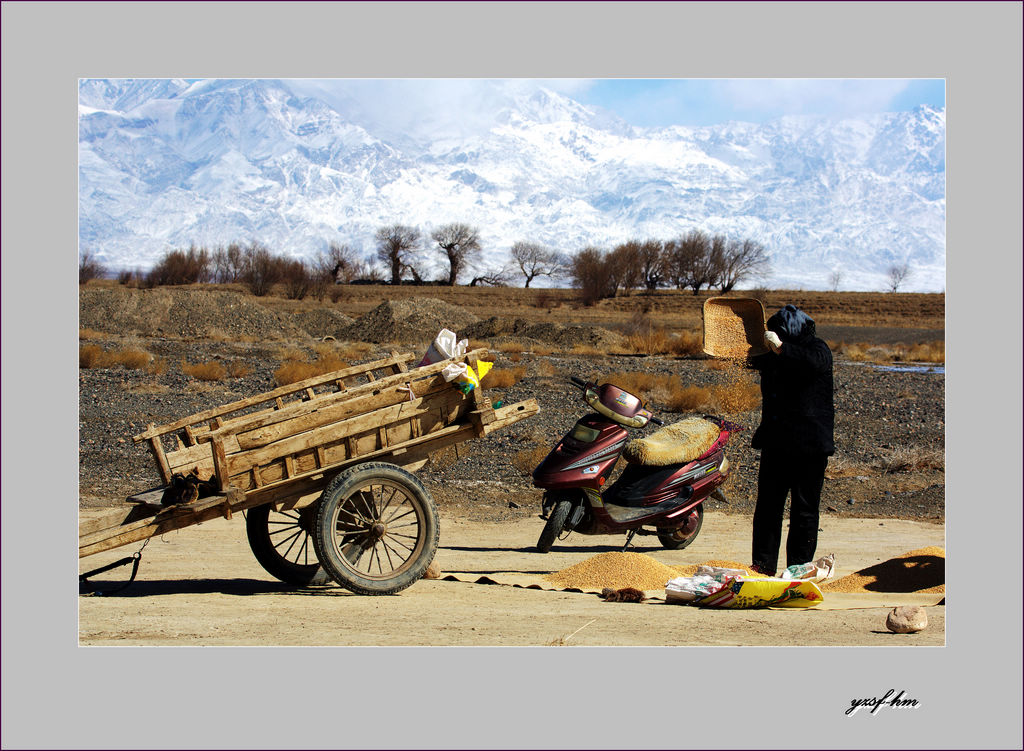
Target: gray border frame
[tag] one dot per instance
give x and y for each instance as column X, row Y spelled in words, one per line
column 58, row 695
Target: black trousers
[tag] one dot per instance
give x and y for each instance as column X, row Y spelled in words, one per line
column 801, row 476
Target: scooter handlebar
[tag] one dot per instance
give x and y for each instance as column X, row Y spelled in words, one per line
column 656, row 421
column 578, row 382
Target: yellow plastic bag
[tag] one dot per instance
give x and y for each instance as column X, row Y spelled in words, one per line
column 463, row 377
column 764, row 593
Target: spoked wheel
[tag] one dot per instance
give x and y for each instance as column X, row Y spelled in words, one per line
column 376, row 529
column 556, row 522
column 282, row 542
column 679, row 537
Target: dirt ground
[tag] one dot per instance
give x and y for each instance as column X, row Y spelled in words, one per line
column 202, row 586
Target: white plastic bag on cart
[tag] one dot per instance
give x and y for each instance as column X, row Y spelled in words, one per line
column 446, row 344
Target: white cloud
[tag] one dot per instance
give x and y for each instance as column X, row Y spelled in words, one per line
column 428, row 107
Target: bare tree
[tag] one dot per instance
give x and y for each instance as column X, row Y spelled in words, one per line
column 343, row 263
column 535, row 260
column 182, row 267
column 459, row 243
column 740, row 261
column 227, row 264
column 592, row 275
column 298, row 278
column 492, row 278
column 652, row 263
column 693, row 259
column 261, row 270
column 897, row 275
column 834, row 278
column 396, row 247
column 623, row 264
column 89, row 268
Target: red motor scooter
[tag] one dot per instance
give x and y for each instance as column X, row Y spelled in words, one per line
column 666, row 493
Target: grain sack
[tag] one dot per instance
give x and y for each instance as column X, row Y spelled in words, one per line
column 734, row 327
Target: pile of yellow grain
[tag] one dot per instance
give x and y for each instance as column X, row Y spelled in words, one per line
column 922, row 570
column 692, row 570
column 615, row 570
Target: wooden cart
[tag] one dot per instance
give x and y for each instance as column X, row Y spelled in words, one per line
column 322, row 468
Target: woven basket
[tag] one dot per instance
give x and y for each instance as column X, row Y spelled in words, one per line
column 734, row 327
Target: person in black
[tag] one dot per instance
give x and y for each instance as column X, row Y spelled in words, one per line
column 795, row 438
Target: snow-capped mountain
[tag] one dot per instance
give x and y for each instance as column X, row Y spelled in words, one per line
column 169, row 163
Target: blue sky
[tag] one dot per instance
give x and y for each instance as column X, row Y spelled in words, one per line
column 696, row 102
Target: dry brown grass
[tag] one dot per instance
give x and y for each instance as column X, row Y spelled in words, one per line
column 508, row 347
column 739, row 394
column 502, row 378
column 238, row 369
column 690, row 399
column 927, row 352
column 130, row 358
column 901, row 459
column 212, row 370
column 649, row 340
column 290, row 353
column 292, row 371
column 347, row 350
column 217, row 335
column 912, row 459
column 89, row 334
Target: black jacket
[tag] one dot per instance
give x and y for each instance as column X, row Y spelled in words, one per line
column 797, row 412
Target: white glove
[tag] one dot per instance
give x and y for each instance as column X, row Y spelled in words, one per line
column 773, row 341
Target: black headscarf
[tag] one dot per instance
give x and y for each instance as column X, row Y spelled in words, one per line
column 791, row 324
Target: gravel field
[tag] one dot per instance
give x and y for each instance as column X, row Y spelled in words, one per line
column 880, row 414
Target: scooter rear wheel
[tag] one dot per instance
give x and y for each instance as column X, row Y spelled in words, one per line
column 556, row 521
column 680, row 537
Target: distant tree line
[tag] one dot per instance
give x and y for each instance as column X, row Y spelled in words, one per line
column 692, row 261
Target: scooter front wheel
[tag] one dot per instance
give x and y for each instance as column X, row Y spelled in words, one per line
column 556, row 522
column 679, row 537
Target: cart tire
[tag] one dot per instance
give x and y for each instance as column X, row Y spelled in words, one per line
column 283, row 545
column 680, row 537
column 556, row 522
column 376, row 529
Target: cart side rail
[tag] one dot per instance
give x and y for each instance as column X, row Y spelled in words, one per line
column 397, row 362
column 207, row 438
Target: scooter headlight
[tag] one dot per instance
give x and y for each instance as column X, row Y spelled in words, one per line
column 584, row 433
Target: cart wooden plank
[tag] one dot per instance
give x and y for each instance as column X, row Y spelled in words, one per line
column 335, row 377
column 146, row 520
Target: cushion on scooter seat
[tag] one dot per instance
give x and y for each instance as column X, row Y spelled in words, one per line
column 677, row 443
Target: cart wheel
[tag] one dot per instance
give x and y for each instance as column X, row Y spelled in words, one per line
column 282, row 543
column 376, row 529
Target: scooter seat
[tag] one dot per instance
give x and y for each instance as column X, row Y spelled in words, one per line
column 677, row 443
